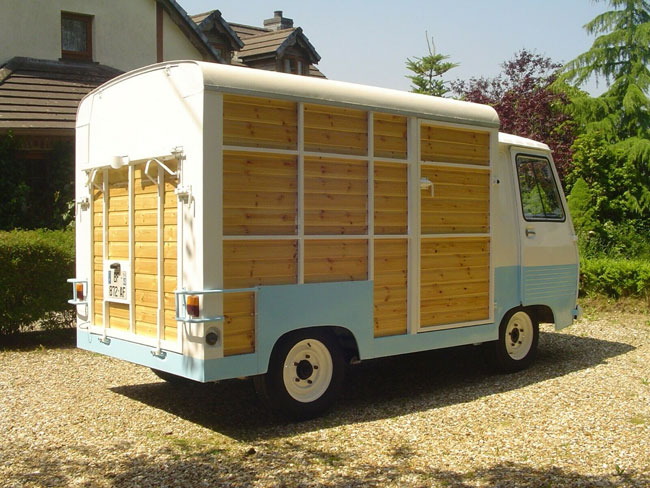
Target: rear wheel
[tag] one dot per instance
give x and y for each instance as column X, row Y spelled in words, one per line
column 516, row 347
column 305, row 374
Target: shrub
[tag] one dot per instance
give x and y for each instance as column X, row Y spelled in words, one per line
column 615, row 277
column 34, row 267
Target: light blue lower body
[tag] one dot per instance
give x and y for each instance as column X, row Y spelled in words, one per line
column 284, row 308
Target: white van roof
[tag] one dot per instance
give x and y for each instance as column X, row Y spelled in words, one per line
column 258, row 82
column 512, row 140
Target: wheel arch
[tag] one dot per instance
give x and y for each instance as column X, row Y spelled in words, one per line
column 540, row 313
column 343, row 335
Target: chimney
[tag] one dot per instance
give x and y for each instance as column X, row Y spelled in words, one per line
column 278, row 22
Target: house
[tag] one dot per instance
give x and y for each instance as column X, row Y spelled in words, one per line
column 278, row 46
column 54, row 52
column 57, row 51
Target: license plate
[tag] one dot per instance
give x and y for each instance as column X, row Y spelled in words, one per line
column 116, row 281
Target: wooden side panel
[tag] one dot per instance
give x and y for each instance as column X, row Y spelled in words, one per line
column 118, row 214
column 259, row 122
column 145, row 261
column 461, row 200
column 451, row 145
column 259, row 194
column 335, row 130
column 390, row 136
column 336, row 196
column 98, row 257
column 390, row 286
column 239, row 324
column 336, row 260
column 118, row 237
column 145, row 267
column 263, row 262
column 454, row 280
column 247, row 264
column 391, row 198
column 170, row 259
column 118, row 316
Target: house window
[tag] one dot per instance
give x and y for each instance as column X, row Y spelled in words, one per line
column 76, row 36
column 292, row 65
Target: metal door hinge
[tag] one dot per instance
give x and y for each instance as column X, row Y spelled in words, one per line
column 184, row 193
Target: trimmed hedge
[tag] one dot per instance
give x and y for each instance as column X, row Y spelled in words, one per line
column 615, row 277
column 34, row 267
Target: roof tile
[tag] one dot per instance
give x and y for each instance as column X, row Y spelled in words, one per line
column 40, row 94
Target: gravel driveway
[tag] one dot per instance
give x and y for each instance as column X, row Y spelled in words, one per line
column 579, row 417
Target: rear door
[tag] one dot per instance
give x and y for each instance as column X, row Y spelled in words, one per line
column 135, row 252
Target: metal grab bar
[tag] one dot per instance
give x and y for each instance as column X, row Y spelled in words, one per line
column 183, row 307
column 162, row 165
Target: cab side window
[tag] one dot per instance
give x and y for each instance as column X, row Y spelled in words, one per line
column 540, row 198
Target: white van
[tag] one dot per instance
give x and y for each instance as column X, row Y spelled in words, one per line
column 236, row 222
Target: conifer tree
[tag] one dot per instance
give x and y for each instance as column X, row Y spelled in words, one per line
column 428, row 71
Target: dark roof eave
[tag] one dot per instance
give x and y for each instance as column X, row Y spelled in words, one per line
column 216, row 17
column 256, row 57
column 296, row 37
column 39, row 131
column 189, row 27
column 19, row 63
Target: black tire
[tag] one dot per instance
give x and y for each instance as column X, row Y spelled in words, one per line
column 173, row 379
column 516, row 348
column 312, row 390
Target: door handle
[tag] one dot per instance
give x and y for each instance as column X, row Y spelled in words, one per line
column 530, row 232
column 426, row 184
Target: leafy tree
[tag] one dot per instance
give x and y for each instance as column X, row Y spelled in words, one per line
column 14, row 190
column 36, row 193
column 526, row 103
column 428, row 71
column 613, row 154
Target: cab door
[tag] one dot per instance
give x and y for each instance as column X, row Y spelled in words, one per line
column 549, row 255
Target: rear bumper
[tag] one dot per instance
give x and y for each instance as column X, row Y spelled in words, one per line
column 197, row 369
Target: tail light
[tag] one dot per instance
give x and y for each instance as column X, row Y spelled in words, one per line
column 79, row 291
column 193, row 306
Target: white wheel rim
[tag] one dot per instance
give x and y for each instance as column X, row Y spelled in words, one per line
column 307, row 370
column 519, row 335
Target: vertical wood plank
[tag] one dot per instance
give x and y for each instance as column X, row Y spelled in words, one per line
column 390, row 287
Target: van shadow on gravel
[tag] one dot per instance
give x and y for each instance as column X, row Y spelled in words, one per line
column 225, row 469
column 376, row 389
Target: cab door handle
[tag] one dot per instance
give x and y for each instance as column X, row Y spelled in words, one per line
column 530, row 232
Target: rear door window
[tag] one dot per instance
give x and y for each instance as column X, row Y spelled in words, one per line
column 540, row 199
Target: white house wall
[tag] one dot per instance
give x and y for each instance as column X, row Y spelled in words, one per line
column 175, row 44
column 124, row 31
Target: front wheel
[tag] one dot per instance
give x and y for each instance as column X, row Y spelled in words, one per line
column 516, row 347
column 305, row 374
